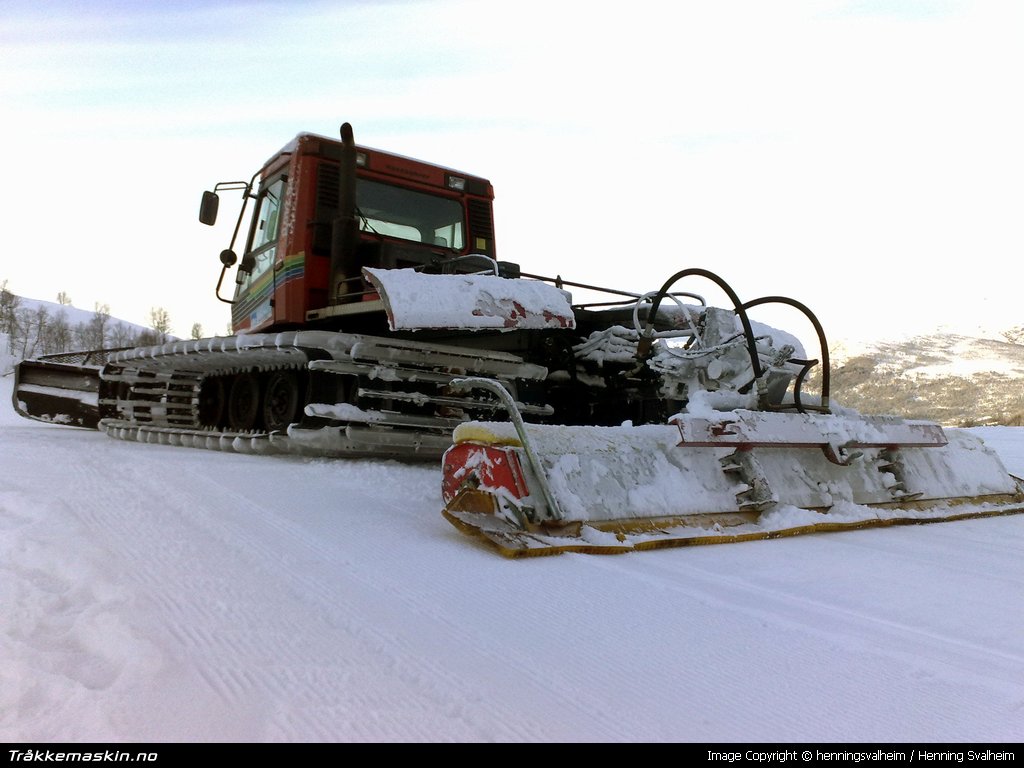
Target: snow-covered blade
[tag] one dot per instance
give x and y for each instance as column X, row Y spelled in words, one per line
column 59, row 389
column 414, row 300
column 619, row 489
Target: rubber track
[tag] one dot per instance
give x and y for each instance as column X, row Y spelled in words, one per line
column 163, row 392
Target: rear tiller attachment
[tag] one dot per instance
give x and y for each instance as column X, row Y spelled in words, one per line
column 541, row 489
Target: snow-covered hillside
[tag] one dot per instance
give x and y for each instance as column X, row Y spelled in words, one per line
column 152, row 593
column 31, row 327
column 953, row 379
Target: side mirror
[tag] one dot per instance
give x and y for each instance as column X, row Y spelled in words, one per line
column 208, row 208
column 228, row 257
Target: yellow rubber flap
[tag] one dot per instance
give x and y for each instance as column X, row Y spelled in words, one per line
column 486, row 433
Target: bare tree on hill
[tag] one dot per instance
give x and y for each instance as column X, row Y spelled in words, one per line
column 92, row 334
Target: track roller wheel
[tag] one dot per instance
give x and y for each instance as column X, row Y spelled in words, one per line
column 212, row 401
column 244, row 402
column 280, row 400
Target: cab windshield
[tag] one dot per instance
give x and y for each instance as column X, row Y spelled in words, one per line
column 409, row 215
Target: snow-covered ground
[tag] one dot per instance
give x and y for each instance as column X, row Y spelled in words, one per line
column 152, row 593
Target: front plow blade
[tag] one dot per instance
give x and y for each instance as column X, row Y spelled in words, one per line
column 58, row 391
column 612, row 490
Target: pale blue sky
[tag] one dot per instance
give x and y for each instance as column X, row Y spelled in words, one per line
column 862, row 157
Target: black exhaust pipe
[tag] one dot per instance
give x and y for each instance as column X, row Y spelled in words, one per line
column 345, row 226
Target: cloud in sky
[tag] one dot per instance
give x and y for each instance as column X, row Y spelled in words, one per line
column 838, row 152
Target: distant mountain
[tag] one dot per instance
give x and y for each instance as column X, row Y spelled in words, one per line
column 952, row 379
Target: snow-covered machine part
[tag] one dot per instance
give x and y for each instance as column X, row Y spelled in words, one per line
column 414, row 300
column 746, row 456
column 545, row 490
column 60, row 388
